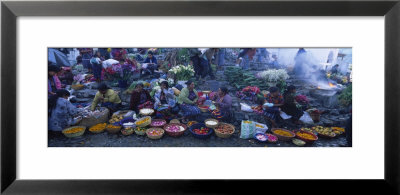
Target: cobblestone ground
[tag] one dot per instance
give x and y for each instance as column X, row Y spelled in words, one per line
column 187, row 140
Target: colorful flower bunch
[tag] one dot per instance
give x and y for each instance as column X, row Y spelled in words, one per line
column 121, row 71
column 182, row 72
column 302, row 99
column 273, row 75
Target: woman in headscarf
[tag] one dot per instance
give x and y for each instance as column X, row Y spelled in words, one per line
column 275, row 101
column 140, row 99
column 165, row 102
column 290, row 106
column 53, row 82
column 223, row 102
column 187, row 100
column 61, row 111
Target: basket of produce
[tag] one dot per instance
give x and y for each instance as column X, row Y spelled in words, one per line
column 77, row 87
column 91, row 118
column 272, row 138
column 224, row 130
column 261, row 137
column 325, row 132
column 201, row 131
column 127, row 131
column 306, row 136
column 74, row 131
column 146, row 111
column 298, row 142
column 338, row 130
column 140, row 130
column 99, row 128
column 155, row 133
column 211, row 123
column 143, row 122
column 190, row 123
column 176, row 121
column 158, row 123
column 117, row 117
column 283, row 134
column 112, row 128
column 127, row 122
column 175, row 129
column 203, row 108
column 309, row 130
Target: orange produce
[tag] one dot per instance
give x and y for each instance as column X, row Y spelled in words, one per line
column 74, row 130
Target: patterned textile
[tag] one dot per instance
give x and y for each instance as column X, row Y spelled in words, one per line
column 147, row 104
column 62, row 115
column 189, row 110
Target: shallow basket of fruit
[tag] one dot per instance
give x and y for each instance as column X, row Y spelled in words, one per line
column 261, row 137
column 306, row 136
column 272, row 138
column 99, row 128
column 325, row 132
column 143, row 122
column 283, row 134
column 74, row 131
column 112, row 128
column 127, row 131
column 224, row 130
column 298, row 142
column 338, row 130
column 175, row 129
column 158, row 123
column 211, row 123
column 155, row 133
column 203, row 108
column 201, row 131
column 140, row 130
column 309, row 130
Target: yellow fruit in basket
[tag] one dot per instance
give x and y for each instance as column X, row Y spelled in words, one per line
column 74, row 130
column 98, row 127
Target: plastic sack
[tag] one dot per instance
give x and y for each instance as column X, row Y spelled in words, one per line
column 247, row 129
column 261, row 128
column 246, row 108
column 285, row 116
column 306, row 118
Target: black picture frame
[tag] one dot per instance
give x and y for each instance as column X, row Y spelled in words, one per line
column 10, row 10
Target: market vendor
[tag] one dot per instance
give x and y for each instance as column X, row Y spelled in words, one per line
column 61, row 111
column 65, row 76
column 97, row 66
column 140, row 98
column 275, row 101
column 151, row 62
column 53, row 81
column 107, row 97
column 223, row 102
column 187, row 100
column 290, row 105
column 165, row 102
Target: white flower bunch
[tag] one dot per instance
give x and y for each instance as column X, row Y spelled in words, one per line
column 274, row 75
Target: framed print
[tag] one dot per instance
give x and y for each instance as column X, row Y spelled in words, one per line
column 124, row 136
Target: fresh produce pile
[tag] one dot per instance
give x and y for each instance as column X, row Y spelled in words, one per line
column 261, row 137
column 127, row 131
column 144, row 120
column 74, row 130
column 174, row 128
column 110, row 126
column 240, row 78
column 283, row 133
column 224, row 129
column 155, row 132
column 98, row 127
column 202, row 131
column 326, row 131
column 116, row 118
column 249, row 93
column 308, row 130
column 305, row 135
column 338, row 130
column 140, row 130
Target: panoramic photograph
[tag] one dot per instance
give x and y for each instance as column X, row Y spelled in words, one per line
column 200, row 97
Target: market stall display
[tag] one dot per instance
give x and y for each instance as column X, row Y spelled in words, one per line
column 175, row 129
column 306, row 136
column 99, row 128
column 325, row 132
column 200, row 130
column 74, row 131
column 283, row 134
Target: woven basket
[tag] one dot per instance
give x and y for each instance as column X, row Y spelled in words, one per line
column 100, row 131
column 211, row 126
column 113, row 130
column 140, row 132
column 77, row 87
column 175, row 134
column 88, row 122
column 203, row 109
column 157, row 136
column 221, row 135
column 309, row 141
column 70, row 135
column 123, row 132
column 175, row 121
column 157, row 120
column 199, row 125
column 143, row 124
column 141, row 113
column 283, row 138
